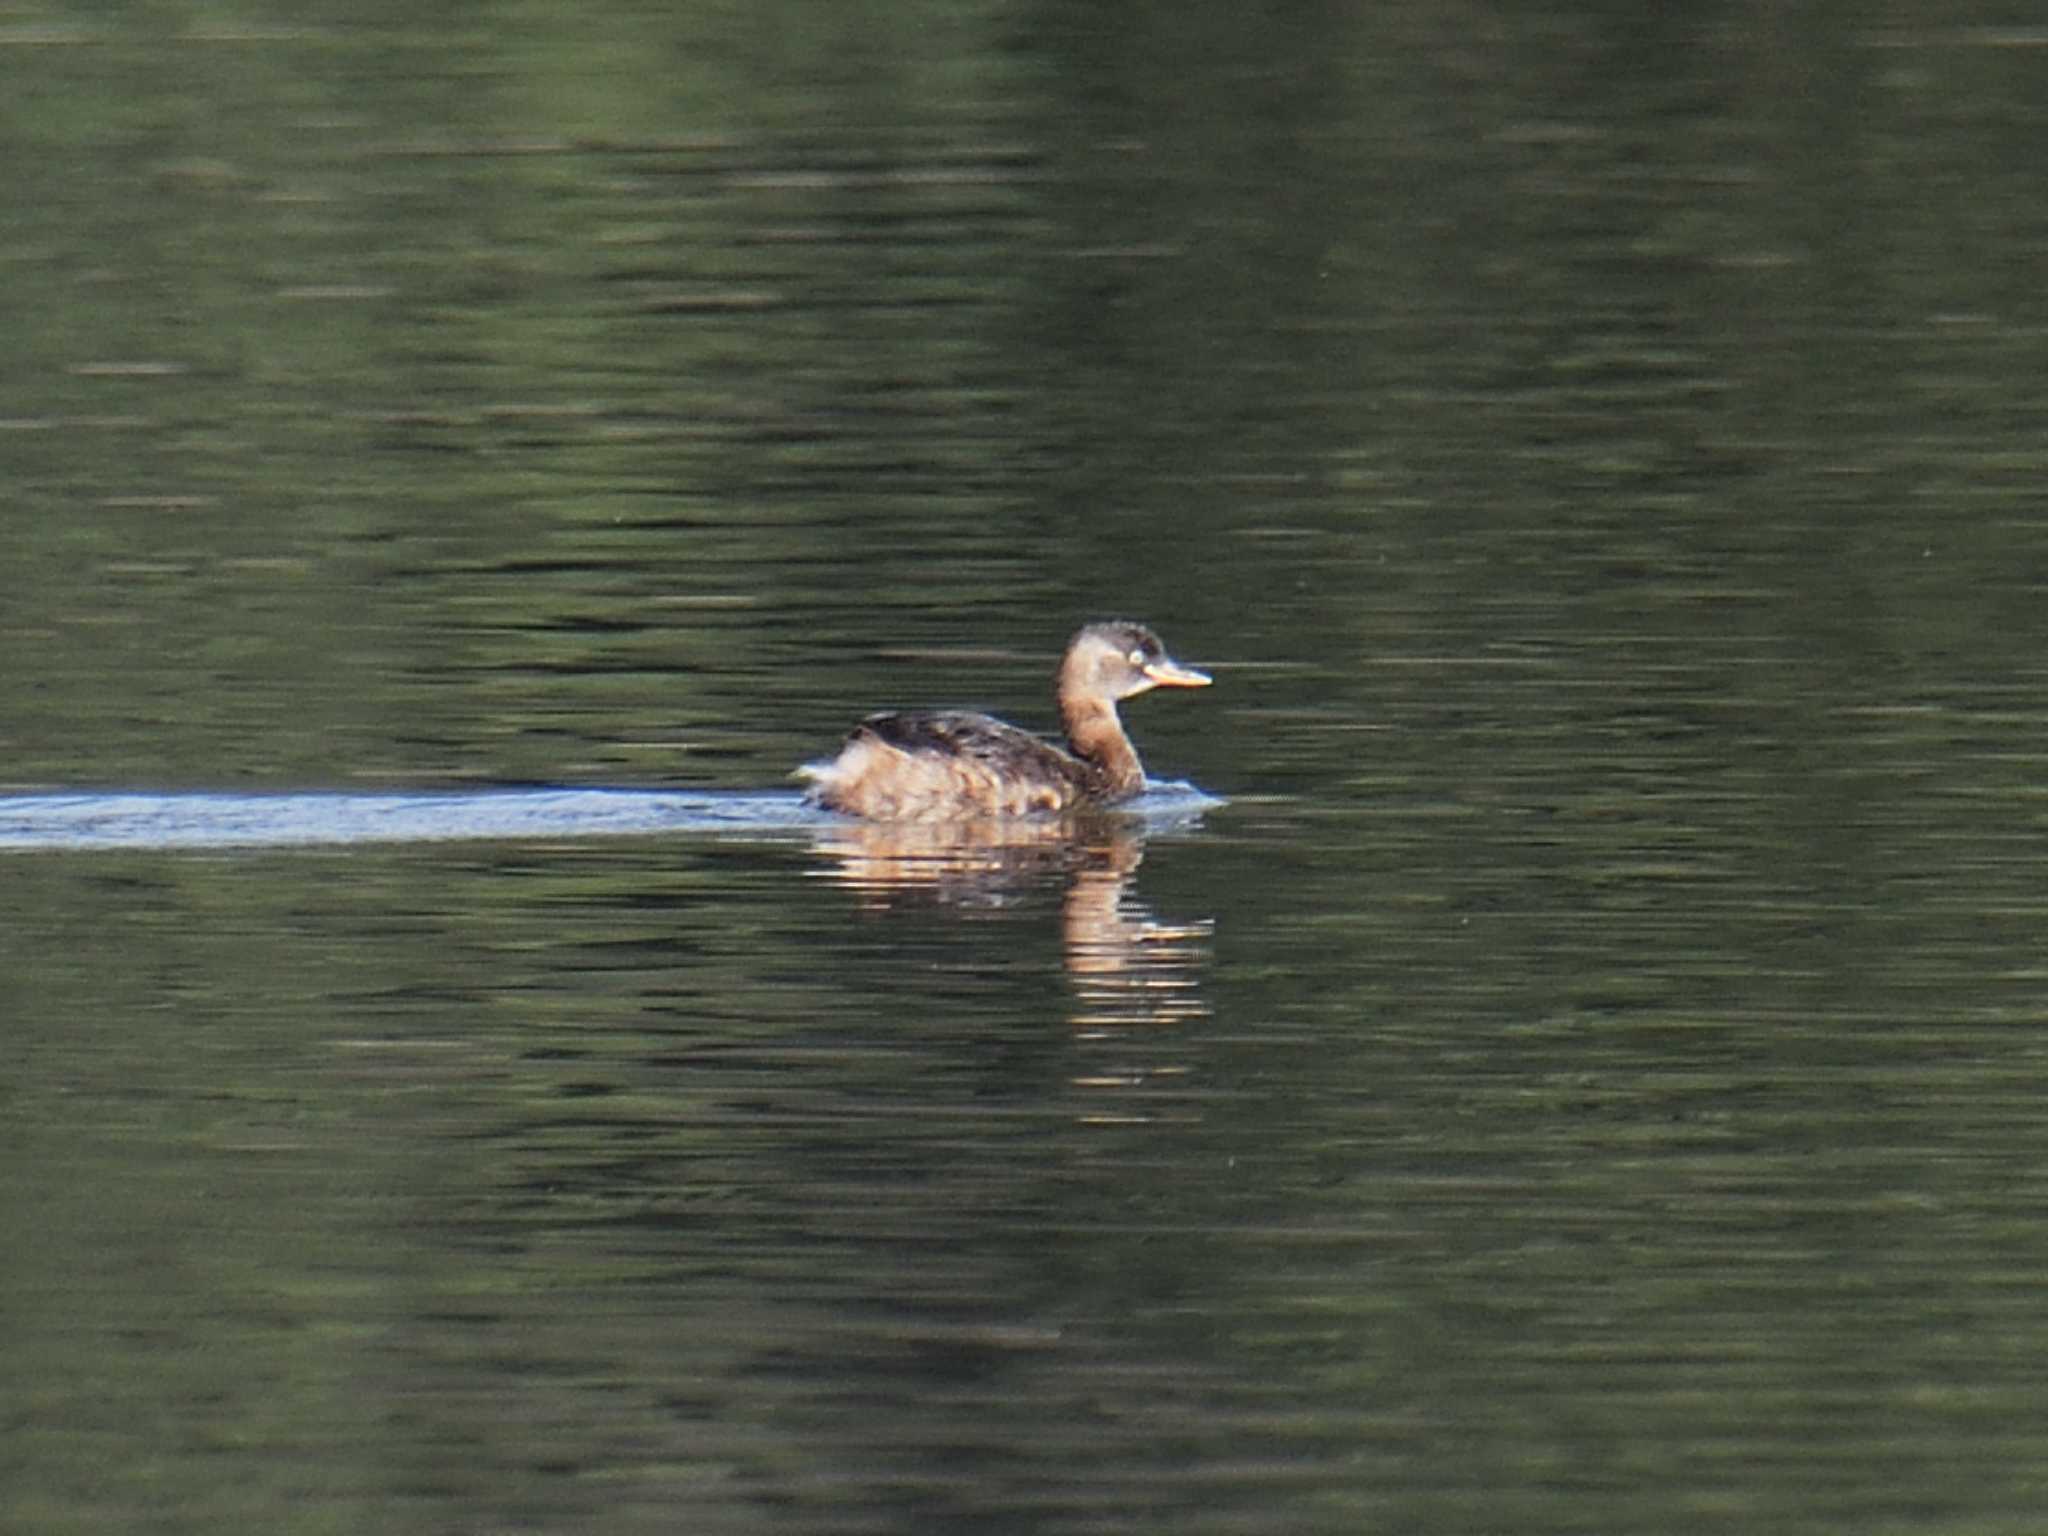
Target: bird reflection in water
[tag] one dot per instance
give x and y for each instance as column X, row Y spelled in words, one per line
column 1126, row 966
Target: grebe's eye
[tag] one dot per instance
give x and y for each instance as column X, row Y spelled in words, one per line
column 1136, row 658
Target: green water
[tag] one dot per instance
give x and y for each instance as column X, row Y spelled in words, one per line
column 1584, row 1080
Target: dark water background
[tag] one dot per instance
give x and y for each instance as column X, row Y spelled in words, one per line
column 1590, row 1076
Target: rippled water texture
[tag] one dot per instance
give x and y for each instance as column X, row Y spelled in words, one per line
column 1572, row 1063
column 61, row 823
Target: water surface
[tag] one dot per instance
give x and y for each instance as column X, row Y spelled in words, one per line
column 1586, row 1077
column 80, row 822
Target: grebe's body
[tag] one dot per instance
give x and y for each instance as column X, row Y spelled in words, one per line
column 949, row 765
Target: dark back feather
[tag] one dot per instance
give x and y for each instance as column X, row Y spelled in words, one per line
column 961, row 733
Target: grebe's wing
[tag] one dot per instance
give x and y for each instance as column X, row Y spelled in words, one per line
column 953, row 733
column 929, row 767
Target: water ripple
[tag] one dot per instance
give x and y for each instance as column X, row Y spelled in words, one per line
column 202, row 820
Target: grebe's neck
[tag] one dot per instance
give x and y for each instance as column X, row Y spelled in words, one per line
column 1097, row 737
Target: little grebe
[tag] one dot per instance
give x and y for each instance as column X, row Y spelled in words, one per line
column 936, row 767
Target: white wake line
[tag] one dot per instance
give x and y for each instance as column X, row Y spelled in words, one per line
column 55, row 822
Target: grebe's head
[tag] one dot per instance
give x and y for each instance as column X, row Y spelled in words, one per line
column 1116, row 660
